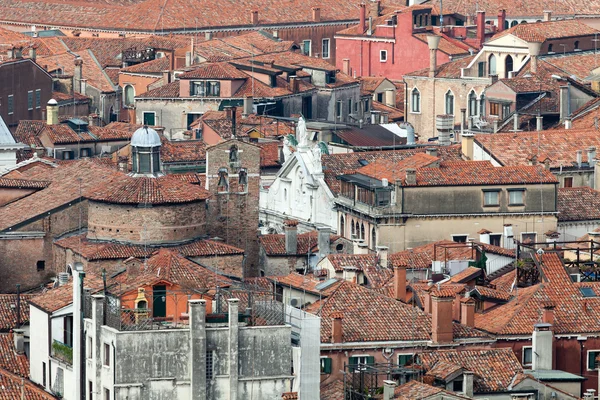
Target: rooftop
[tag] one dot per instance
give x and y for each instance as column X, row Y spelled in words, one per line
column 8, row 311
column 542, row 31
column 578, row 204
column 15, row 388
column 274, row 244
column 10, row 361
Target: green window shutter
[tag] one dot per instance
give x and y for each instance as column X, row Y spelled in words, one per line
column 403, row 359
column 370, row 360
column 326, row 365
column 352, row 361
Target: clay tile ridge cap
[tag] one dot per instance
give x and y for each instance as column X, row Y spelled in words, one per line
column 291, row 222
column 337, row 315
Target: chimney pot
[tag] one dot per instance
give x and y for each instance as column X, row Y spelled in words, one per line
column 254, row 17
column 411, row 176
column 433, row 42
column 382, row 254
column 501, row 20
column 316, row 14
column 19, row 339
column 400, row 282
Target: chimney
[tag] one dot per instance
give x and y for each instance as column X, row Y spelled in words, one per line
column 63, row 278
column 388, row 390
column 427, row 302
column 467, row 312
column 323, row 240
column 433, row 41
column 539, row 123
column 188, row 58
column 83, row 86
column 441, row 317
column 291, row 236
column 400, row 282
column 346, row 66
column 468, row 384
column 467, row 144
column 543, row 347
column 18, row 52
column 480, row 27
column 564, row 103
column 254, row 17
column 390, row 98
column 568, row 123
column 411, row 176
column 370, row 28
column 591, row 155
column 501, row 20
column 516, row 122
column 10, row 54
column 534, row 52
column 19, row 339
column 579, row 158
column 375, row 9
column 32, row 53
column 52, row 112
column 432, row 151
column 547, row 15
column 316, row 14
column 548, row 314
column 77, row 75
column 248, row 106
column 336, row 327
column 382, row 255
column 228, row 113
column 360, row 247
column 208, row 35
column 469, row 20
column 363, row 17
column 294, row 84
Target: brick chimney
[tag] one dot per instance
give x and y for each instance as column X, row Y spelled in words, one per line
column 254, row 17
column 433, row 41
column 363, row 17
column 316, row 14
column 548, row 313
column 336, row 327
column 375, row 9
column 411, row 176
column 441, row 317
column 480, row 27
column 501, row 20
column 467, row 311
column 291, row 236
column 547, row 15
column 400, row 282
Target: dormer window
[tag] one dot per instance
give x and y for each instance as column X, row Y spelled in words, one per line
column 205, row 88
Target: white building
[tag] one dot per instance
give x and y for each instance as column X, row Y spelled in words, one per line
column 8, row 147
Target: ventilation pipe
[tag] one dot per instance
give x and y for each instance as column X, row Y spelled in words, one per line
column 539, row 123
column 77, row 75
column 564, row 102
column 579, row 158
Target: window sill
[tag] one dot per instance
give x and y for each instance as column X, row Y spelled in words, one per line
column 415, row 112
column 491, row 205
column 516, row 205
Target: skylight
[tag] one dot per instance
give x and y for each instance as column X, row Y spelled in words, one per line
column 587, row 292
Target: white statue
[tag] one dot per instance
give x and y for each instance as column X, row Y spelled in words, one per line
column 302, row 133
column 287, row 152
column 316, row 152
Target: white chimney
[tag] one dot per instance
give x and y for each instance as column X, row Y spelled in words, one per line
column 382, row 254
column 542, row 340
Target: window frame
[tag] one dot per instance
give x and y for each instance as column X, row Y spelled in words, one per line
column 326, row 54
column 383, row 56
column 10, row 104
column 415, row 92
column 339, row 109
column 325, row 365
column 460, row 235
column 410, row 356
column 529, row 233
column 106, row 354
column 29, row 100
column 522, row 191
column 496, row 235
column 447, row 102
column 587, row 363
column 495, row 109
column 304, row 42
column 523, row 352
column 489, row 204
column 38, row 98
column 369, row 360
column 570, row 178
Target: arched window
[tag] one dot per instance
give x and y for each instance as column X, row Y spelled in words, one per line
column 514, row 23
column 357, row 230
column 373, row 238
column 223, row 185
column 362, row 231
column 233, row 154
column 416, row 100
column 426, row 19
column 576, row 45
column 506, row 25
column 550, row 48
column 449, row 103
column 508, row 66
column 353, row 229
column 492, row 65
column 141, row 304
column 342, row 226
column 472, row 104
column 129, row 95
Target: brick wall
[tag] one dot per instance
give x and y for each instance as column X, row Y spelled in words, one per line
column 233, row 215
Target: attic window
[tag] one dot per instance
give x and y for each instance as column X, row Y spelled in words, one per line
column 587, row 292
column 363, row 162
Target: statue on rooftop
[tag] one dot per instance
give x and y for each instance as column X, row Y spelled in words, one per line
column 302, row 133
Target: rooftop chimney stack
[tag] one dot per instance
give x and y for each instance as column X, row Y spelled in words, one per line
column 388, row 390
column 547, row 15
column 591, row 155
column 441, row 317
column 52, row 112
column 337, row 333
column 564, row 101
column 467, row 312
column 323, row 240
column 542, row 347
column 316, row 14
column 539, row 125
column 468, row 384
column 248, row 106
column 254, row 17
column 291, row 236
column 77, row 75
column 501, row 20
column 579, row 158
column 32, row 53
column 382, row 255
column 534, row 52
column 411, row 176
column 400, row 282
column 433, row 41
column 363, row 17
column 480, row 27
column 346, row 66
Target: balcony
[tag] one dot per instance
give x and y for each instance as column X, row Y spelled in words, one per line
column 62, row 352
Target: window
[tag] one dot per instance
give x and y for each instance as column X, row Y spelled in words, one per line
column 223, row 184
column 491, row 198
column 383, row 197
column 383, row 55
column 210, row 365
column 550, row 48
column 106, row 354
column 568, row 181
column 41, row 265
column 576, row 45
column 592, row 363
column 404, row 359
column 359, row 363
column 373, row 238
column 38, row 98
column 68, row 155
column 416, row 101
column 495, row 239
column 495, row 109
column 30, row 100
column 205, row 88
column 85, row 152
column 43, row 374
column 449, row 103
column 460, row 238
column 106, row 394
column 342, row 226
column 508, row 66
column 366, row 105
column 472, row 104
column 129, row 95
column 505, row 111
column 338, row 109
column 325, row 48
column 528, row 237
column 349, row 106
column 380, row 97
column 11, row 104
column 325, row 365
column 306, row 47
column 457, row 385
column 90, row 390
column 492, row 65
column 527, row 356
column 362, row 231
column 481, row 69
column 88, row 347
column 149, row 118
column 515, row 197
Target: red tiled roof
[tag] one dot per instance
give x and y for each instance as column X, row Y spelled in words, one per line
column 142, row 190
column 18, row 364
column 91, row 69
column 443, row 369
column 333, row 390
column 274, row 244
column 63, row 134
column 578, row 204
column 222, row 70
column 385, row 319
column 28, row 132
column 57, row 298
column 269, row 154
column 490, row 293
column 15, row 388
column 8, row 311
column 23, row 183
column 183, row 151
column 382, row 169
column 359, row 261
column 306, row 283
column 64, row 97
column 153, row 66
column 542, row 31
column 451, row 69
column 560, row 146
column 494, row 369
column 170, row 91
column 394, row 114
column 417, row 390
column 466, row 275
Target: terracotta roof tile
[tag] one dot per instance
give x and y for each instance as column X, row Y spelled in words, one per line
column 333, row 390
column 170, row 91
column 183, row 151
column 306, row 283
column 91, row 69
column 274, row 244
column 8, row 311
column 494, row 369
column 23, row 184
column 383, row 169
column 28, row 132
column 444, row 369
column 154, row 66
column 14, row 388
column 578, row 204
column 542, row 31
column 417, row 390
column 222, row 70
column 18, row 364
column 467, row 275
column 60, row 297
column 269, row 154
column 359, row 261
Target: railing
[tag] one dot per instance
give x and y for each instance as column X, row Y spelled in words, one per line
column 62, row 352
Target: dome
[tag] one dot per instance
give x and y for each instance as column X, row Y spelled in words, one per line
column 52, row 102
column 145, row 137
